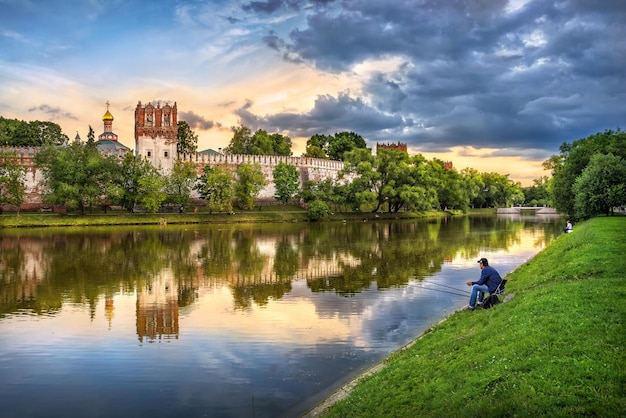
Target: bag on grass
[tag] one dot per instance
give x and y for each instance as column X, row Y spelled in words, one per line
column 491, row 301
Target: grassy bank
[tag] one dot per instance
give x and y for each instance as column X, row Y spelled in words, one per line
column 259, row 215
column 557, row 348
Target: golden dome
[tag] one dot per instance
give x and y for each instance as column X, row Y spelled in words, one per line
column 108, row 117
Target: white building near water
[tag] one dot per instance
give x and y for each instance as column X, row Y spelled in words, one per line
column 156, row 132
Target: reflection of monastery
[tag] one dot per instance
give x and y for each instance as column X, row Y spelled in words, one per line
column 157, row 309
column 156, row 129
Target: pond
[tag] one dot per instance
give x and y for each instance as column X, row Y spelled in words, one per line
column 234, row 320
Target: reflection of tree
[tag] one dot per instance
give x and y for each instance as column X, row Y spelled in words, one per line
column 20, row 279
column 259, row 292
column 286, row 260
column 249, row 261
column 392, row 253
column 216, row 254
column 40, row 269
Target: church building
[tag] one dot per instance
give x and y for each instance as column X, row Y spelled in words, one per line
column 108, row 140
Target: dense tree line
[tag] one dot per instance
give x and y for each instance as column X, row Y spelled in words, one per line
column 589, row 175
column 79, row 177
column 20, row 133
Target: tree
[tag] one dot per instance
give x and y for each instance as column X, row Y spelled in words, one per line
column 318, row 210
column 317, row 146
column 286, row 182
column 12, row 180
column 364, row 189
column 180, row 182
column 539, row 193
column 132, row 190
column 474, row 185
column 281, row 144
column 19, row 133
column 76, row 176
column 600, row 187
column 261, row 143
column 250, row 181
column 453, row 194
column 187, row 139
column 572, row 160
column 152, row 190
column 240, row 142
column 215, row 186
column 344, row 142
column 91, row 136
column 333, row 147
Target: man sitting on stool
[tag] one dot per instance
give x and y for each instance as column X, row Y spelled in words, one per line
column 489, row 281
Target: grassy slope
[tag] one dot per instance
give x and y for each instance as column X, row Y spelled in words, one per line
column 555, row 349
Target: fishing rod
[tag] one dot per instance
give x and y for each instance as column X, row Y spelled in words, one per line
column 443, row 291
column 449, row 287
column 458, row 292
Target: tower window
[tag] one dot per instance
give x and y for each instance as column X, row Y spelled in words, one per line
column 165, row 154
column 149, row 153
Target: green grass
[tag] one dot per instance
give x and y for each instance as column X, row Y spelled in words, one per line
column 556, row 349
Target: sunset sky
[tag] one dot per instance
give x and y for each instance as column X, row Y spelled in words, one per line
column 497, row 85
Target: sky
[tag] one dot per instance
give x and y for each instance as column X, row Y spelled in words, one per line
column 495, row 85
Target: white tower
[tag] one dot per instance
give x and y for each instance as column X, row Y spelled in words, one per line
column 156, row 129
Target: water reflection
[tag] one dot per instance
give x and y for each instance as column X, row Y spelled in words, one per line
column 283, row 312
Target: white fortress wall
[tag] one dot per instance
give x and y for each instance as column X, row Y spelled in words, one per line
column 314, row 169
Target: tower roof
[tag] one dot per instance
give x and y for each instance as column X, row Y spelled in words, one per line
column 108, row 117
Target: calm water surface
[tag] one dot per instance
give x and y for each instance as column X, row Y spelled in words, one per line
column 229, row 320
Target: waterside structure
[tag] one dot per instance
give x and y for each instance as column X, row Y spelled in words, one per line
column 156, row 129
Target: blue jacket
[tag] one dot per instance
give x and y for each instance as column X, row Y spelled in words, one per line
column 490, row 277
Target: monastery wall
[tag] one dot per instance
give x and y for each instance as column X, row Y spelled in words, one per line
column 310, row 169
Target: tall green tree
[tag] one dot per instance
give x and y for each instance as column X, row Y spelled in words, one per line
column 240, row 142
column 12, row 180
column 187, row 139
column 474, row 185
column 317, row 147
column 19, row 133
column 572, row 160
column 334, row 147
column 259, row 143
column 281, row 144
column 343, row 142
column 180, row 182
column 216, row 186
column 364, row 186
column 134, row 191
column 91, row 136
column 250, row 181
column 76, row 176
column 286, row 182
column 453, row 193
column 600, row 187
column 152, row 191
column 539, row 193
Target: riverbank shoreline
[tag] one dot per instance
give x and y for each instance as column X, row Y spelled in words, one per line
column 553, row 350
column 262, row 215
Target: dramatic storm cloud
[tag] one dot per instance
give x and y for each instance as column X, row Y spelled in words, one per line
column 502, row 81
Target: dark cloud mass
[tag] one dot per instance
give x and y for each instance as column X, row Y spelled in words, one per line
column 329, row 115
column 525, row 75
column 53, row 113
column 196, row 121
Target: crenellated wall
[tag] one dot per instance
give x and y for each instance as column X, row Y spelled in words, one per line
column 313, row 169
